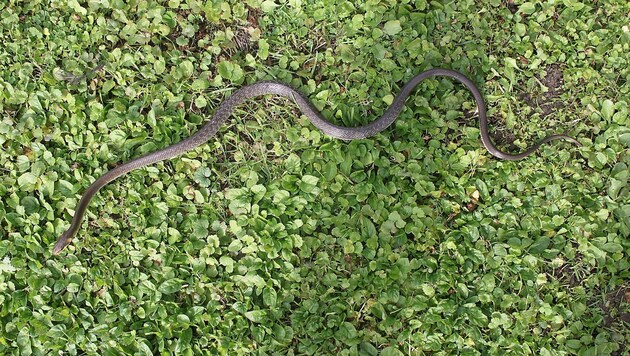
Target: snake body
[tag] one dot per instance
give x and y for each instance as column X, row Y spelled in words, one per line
column 226, row 108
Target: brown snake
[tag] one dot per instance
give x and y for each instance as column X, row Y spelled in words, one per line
column 210, row 128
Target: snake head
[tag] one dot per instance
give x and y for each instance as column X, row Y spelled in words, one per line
column 64, row 240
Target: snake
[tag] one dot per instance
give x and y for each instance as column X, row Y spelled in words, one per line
column 226, row 108
column 74, row 79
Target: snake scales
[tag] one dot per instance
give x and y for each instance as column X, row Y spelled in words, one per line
column 269, row 87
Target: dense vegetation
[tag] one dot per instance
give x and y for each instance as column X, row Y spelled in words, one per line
column 275, row 238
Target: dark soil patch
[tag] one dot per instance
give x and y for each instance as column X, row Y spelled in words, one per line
column 616, row 311
column 547, row 101
column 566, row 274
column 241, row 42
column 512, row 6
column 502, row 137
column 613, row 306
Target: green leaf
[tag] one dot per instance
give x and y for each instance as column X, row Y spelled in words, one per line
column 391, row 351
column 200, row 84
column 625, row 139
column 268, row 6
column 230, row 71
column 487, row 283
column 30, row 204
column 347, row 333
column 520, row 29
column 201, row 102
column 251, row 280
column 257, row 316
column 511, row 63
column 186, row 68
column 27, row 181
column 392, row 27
column 159, row 66
column 602, row 214
column 612, row 247
column 477, row 317
column 527, row 8
column 574, row 5
column 428, row 290
column 171, row 286
column 235, row 246
column 108, row 86
column 263, row 49
column 24, row 342
column 144, row 349
column 308, row 183
column 368, row 349
column 540, row 245
column 574, row 344
column 270, row 297
column 608, row 109
column 616, row 187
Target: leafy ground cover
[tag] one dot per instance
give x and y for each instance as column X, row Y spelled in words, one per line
column 274, row 238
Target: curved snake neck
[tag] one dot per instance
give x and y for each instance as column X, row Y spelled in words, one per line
column 270, row 87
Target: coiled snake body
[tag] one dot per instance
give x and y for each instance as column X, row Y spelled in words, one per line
column 269, row 87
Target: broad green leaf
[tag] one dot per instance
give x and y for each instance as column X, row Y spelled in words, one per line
column 268, row 6
column 520, row 29
column 256, row 316
column 347, row 332
column 27, row 181
column 612, row 247
column 392, row 27
column 230, row 71
column 200, row 84
column 477, row 317
column 171, row 286
column 201, row 102
column 608, row 109
column 186, row 68
column 602, row 214
column 368, row 349
column 391, row 351
column 527, row 8
column 159, row 66
column 540, row 245
column 263, row 49
column 270, row 297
